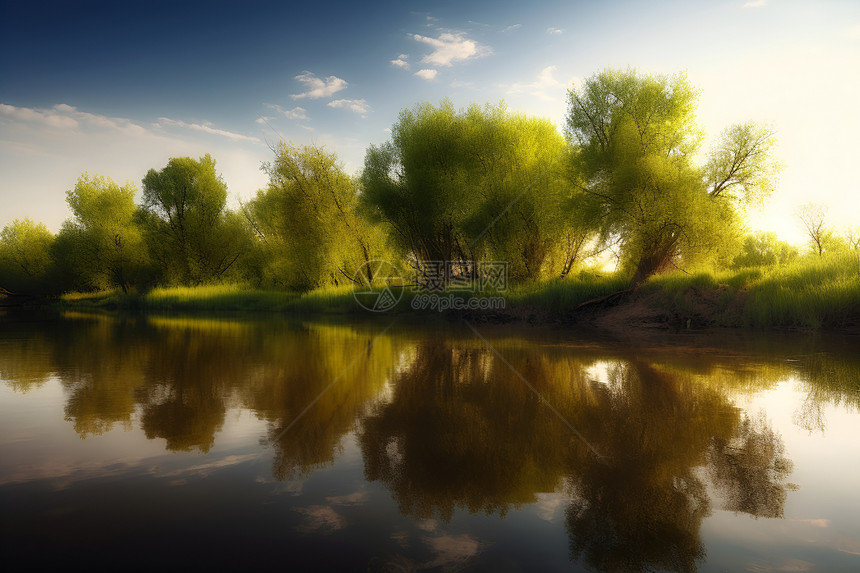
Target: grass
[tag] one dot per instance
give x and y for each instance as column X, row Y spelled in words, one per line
column 811, row 293
column 560, row 295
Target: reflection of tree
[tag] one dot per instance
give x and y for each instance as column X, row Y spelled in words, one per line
column 337, row 370
column 461, row 431
column 750, row 469
column 642, row 509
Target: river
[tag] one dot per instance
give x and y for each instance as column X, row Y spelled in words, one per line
column 145, row 442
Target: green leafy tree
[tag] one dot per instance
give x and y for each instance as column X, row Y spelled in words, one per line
column 103, row 242
column 25, row 257
column 764, row 249
column 482, row 182
column 307, row 222
column 189, row 231
column 634, row 138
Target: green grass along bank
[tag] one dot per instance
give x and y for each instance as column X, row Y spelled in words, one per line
column 810, row 294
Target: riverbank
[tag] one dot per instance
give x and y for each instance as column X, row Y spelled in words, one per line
column 812, row 294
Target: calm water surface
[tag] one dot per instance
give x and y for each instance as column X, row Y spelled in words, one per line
column 175, row 442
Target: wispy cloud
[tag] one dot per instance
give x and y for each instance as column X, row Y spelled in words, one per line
column 449, row 48
column 205, row 128
column 295, row 113
column 66, row 117
column 755, row 3
column 511, row 28
column 44, row 117
column 554, row 31
column 427, row 74
column 401, row 62
column 359, row 106
column 538, row 88
column 317, row 88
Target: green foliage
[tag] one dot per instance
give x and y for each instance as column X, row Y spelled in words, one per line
column 764, row 249
column 307, row 222
column 189, row 232
column 25, row 257
column 102, row 245
column 634, row 138
column 478, row 183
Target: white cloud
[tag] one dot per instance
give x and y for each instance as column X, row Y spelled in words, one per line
column 263, row 119
column 318, row 88
column 66, row 117
column 511, row 28
column 426, row 74
column 359, row 106
column 554, row 31
column 755, row 3
column 538, row 88
column 30, row 115
column 295, row 113
column 451, row 47
column 166, row 121
column 401, row 62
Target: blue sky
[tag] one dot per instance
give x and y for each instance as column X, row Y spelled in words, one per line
column 117, row 88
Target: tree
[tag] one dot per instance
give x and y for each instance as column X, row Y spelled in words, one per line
column 852, row 238
column 25, row 257
column 482, row 182
column 813, row 216
column 764, row 249
column 308, row 223
column 188, row 229
column 105, row 241
column 634, row 137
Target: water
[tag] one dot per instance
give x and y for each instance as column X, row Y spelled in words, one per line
column 178, row 442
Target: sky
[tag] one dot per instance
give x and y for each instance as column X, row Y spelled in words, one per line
column 118, row 88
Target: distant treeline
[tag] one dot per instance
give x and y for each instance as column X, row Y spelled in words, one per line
column 463, row 186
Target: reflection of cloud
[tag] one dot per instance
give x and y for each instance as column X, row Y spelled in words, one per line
column 449, row 48
column 786, row 565
column 321, row 519
column 427, row 525
column 207, row 469
column 317, row 88
column 814, row 522
column 547, row 505
column 350, row 499
column 452, row 550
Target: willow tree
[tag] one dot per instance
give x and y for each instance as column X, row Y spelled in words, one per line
column 308, row 224
column 634, row 138
column 189, row 231
column 463, row 185
column 103, row 242
column 25, row 257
